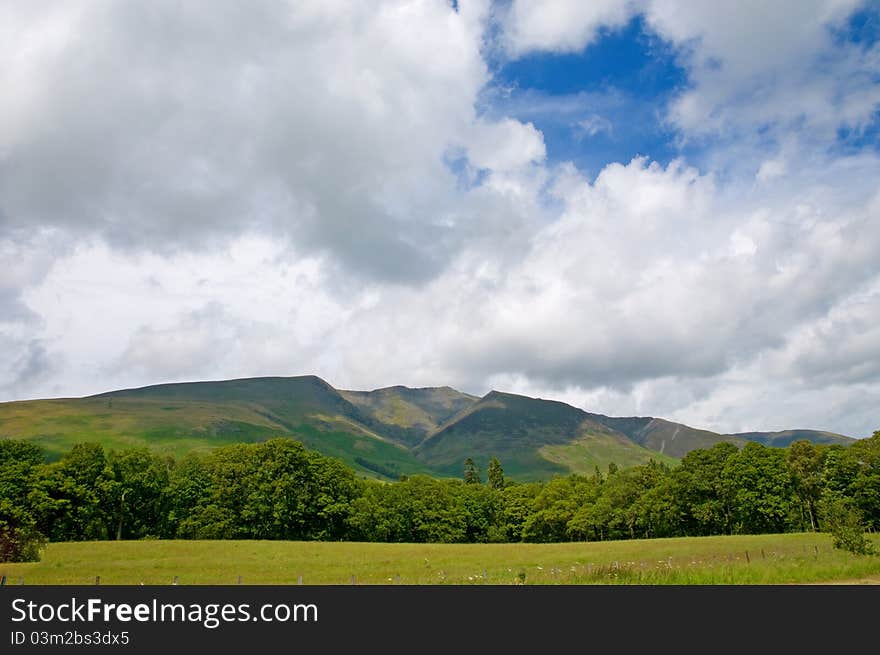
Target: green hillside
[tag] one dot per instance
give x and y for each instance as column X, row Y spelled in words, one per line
column 409, row 415
column 784, row 438
column 198, row 416
column 657, row 434
column 530, row 436
column 677, row 439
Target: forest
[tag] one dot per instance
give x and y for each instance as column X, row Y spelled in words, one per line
column 279, row 490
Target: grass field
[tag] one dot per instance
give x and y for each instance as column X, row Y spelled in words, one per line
column 771, row 559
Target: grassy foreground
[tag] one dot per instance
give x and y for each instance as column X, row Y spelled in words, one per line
column 771, row 559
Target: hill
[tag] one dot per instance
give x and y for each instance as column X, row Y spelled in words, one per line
column 182, row 417
column 382, row 433
column 784, row 438
column 662, row 436
column 409, row 415
column 529, row 435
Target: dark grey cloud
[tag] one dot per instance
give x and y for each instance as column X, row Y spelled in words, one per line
column 166, row 128
column 28, row 365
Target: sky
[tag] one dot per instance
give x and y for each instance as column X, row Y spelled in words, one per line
column 656, row 208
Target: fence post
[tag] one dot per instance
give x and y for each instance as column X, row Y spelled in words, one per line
column 299, row 580
column 175, row 580
column 97, row 579
column 3, row 581
column 239, row 579
column 354, row 580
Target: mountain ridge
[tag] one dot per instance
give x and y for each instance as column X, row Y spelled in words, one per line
column 384, row 432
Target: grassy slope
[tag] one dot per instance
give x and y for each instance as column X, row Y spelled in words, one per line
column 785, row 438
column 677, row 439
column 673, row 439
column 181, row 418
column 593, row 450
column 531, row 437
column 409, row 415
column 786, row 558
column 175, row 428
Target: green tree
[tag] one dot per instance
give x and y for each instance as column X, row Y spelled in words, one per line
column 758, row 488
column 76, row 499
column 804, row 461
column 20, row 540
column 865, row 486
column 845, row 523
column 553, row 509
column 705, row 505
column 272, row 490
column 142, row 493
column 517, row 501
column 471, row 472
column 495, row 474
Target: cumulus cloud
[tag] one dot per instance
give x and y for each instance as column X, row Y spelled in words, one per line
column 560, row 26
column 757, row 64
column 750, row 64
column 161, row 127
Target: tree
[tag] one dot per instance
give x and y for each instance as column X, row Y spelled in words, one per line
column 705, row 504
column 757, row 486
column 471, row 472
column 495, row 474
column 20, row 541
column 553, row 509
column 844, row 521
column 804, row 461
column 142, row 477
column 865, row 487
column 76, row 499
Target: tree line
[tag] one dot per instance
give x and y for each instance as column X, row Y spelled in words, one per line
column 280, row 490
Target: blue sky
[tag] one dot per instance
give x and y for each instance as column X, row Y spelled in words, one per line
column 600, row 105
column 608, row 101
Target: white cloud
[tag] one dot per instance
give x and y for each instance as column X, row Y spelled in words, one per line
column 754, row 64
column 750, row 64
column 505, row 145
column 159, row 127
column 562, row 25
column 593, row 125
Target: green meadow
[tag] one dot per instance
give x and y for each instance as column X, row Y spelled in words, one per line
column 727, row 560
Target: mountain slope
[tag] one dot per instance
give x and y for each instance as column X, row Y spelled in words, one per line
column 409, row 415
column 529, row 436
column 178, row 418
column 783, row 438
column 662, row 436
column 677, row 439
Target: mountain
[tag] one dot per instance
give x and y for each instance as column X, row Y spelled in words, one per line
column 783, row 438
column 409, row 415
column 662, row 436
column 196, row 416
column 676, row 439
column 529, row 436
column 382, row 433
